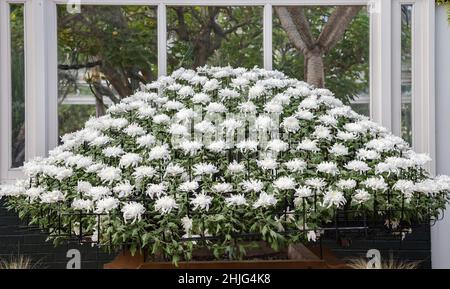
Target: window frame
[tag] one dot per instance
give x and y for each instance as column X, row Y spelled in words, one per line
column 42, row 75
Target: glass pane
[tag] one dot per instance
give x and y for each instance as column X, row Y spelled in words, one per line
column 104, row 54
column 406, row 73
column 216, row 36
column 17, row 85
column 337, row 58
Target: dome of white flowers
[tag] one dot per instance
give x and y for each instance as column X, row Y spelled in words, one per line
column 218, row 152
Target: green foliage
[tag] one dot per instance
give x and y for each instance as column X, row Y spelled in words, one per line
column 17, row 83
column 447, row 3
column 72, row 117
column 346, row 65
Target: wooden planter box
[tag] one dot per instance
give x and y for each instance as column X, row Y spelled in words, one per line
column 295, row 257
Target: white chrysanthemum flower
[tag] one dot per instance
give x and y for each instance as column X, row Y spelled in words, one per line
column 33, row 193
column 345, row 136
column 146, row 112
column 205, row 127
column 277, row 145
column 165, row 205
column 106, row 205
column 134, row 130
column 146, row 141
column 273, row 107
column 338, row 149
column 178, row 130
column 328, row 168
column 247, row 107
column 156, row 190
column 185, row 91
column 217, row 146
column 173, row 105
column 361, row 196
column 201, row 98
column 160, row 152
column 173, row 170
column 216, row 107
column 247, row 146
column 143, row 172
column 407, row 187
column 82, row 205
column 236, row 200
column 265, row 200
column 239, row 82
column 109, row 174
column 235, row 167
column 187, row 223
column 333, row 198
column 52, row 197
column 375, row 183
column 205, row 169
column 115, row 151
column 222, row 188
column 304, row 114
column 189, row 186
column 191, row 147
column 185, row 114
column 83, row 187
column 211, row 85
column 267, row 164
column 308, row 145
column 418, row 159
column 364, row 154
column 123, row 189
column 427, row 186
column 201, row 201
column 303, row 192
column 227, row 93
column 290, row 124
column 346, row 184
column 252, row 186
column 309, row 103
column 264, row 123
column 357, row 166
column 316, row 183
column 322, row 132
column 130, row 159
column 295, row 165
column 354, row 127
column 285, row 183
column 256, row 91
column 327, row 120
column 100, row 141
column 98, row 192
column 133, row 211
column 161, row 119
column 63, row 173
column 231, row 124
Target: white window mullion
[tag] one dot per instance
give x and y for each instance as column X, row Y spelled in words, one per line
column 380, row 63
column 396, row 67
column 36, row 81
column 162, row 39
column 5, row 95
column 267, row 36
column 52, row 77
column 423, row 101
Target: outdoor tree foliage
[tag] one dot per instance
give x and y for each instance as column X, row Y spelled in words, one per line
column 117, row 44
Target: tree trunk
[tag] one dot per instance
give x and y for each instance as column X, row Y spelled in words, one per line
column 315, row 68
column 99, row 107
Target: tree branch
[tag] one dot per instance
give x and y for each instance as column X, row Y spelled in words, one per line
column 79, row 66
column 296, row 25
column 337, row 24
